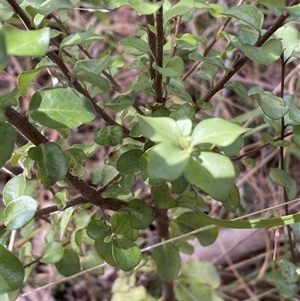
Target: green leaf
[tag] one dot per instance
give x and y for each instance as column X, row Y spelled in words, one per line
column 233, row 148
column 288, row 271
column 53, row 252
column 32, row 43
column 167, row 261
column 190, row 221
column 25, row 79
column 144, row 7
column 296, row 134
column 273, row 106
column 179, row 9
column 120, row 103
column 289, row 36
column 6, row 12
column 167, row 161
column 53, row 163
column 14, row 188
column 4, row 58
column 276, row 3
column 160, row 129
column 161, row 197
column 97, row 229
column 91, row 260
column 141, row 214
column 69, row 264
column 136, row 44
column 294, row 11
column 179, row 92
column 7, row 140
column 238, row 89
column 213, row 173
column 126, row 254
column 103, row 174
column 173, row 68
column 120, row 222
column 12, row 272
column 47, row 108
column 185, row 111
column 19, row 212
column 110, row 135
column 112, row 4
column 80, row 38
column 65, row 221
column 247, row 13
column 115, row 191
column 216, row 131
column 215, row 61
column 248, row 36
column 90, row 70
column 104, row 249
column 180, row 185
column 49, row 6
column 266, row 54
column 76, row 158
column 129, row 162
column 233, row 201
column 283, row 179
column 204, row 272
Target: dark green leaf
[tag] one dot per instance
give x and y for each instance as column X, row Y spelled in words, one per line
column 141, row 214
column 173, row 68
column 69, row 264
column 126, row 254
column 61, row 107
column 288, row 271
column 129, row 162
column 110, row 135
column 161, row 197
column 7, row 139
column 53, row 163
column 136, row 44
column 19, row 212
column 32, row 43
column 12, row 271
column 180, row 185
column 167, row 261
column 233, row 200
column 104, row 249
column 97, row 229
column 190, row 221
column 10, row 99
column 120, row 103
column 238, row 89
column 115, row 191
column 103, row 174
column 215, row 61
column 296, row 134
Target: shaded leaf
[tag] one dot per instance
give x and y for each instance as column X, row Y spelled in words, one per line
column 161, row 197
column 76, row 158
column 7, row 139
column 120, row 222
column 120, row 103
column 129, row 162
column 110, row 135
column 173, row 68
column 103, row 174
column 69, row 264
column 215, row 61
column 135, row 43
column 179, row 9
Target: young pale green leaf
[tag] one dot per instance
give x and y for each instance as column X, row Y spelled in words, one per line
column 65, row 221
column 294, row 11
column 215, row 61
column 268, row 53
column 32, row 43
column 129, row 162
column 160, row 129
column 104, row 249
column 273, row 106
column 47, row 108
column 69, row 264
column 135, row 43
column 173, row 68
column 167, row 261
column 12, row 271
column 126, row 254
column 216, row 131
column 110, row 135
column 19, row 212
column 161, row 197
column 120, row 103
column 283, row 179
column 179, row 9
column 7, row 139
column 80, row 38
column 296, row 134
column 167, row 161
column 6, row 12
column 103, row 174
column 204, row 272
column 14, row 188
column 25, row 79
column 120, row 222
column 145, row 7
column 211, row 172
column 141, row 214
column 53, row 163
column 189, row 221
column 247, row 13
column 53, row 252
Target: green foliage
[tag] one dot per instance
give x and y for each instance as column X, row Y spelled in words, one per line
column 161, row 147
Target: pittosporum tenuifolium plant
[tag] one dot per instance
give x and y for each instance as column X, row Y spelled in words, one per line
column 117, row 117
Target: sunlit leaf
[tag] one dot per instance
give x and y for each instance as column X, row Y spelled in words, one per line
column 144, row 7
column 80, row 38
column 179, row 9
column 14, row 188
column 53, row 252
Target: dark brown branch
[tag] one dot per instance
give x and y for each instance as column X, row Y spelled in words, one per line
column 152, row 44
